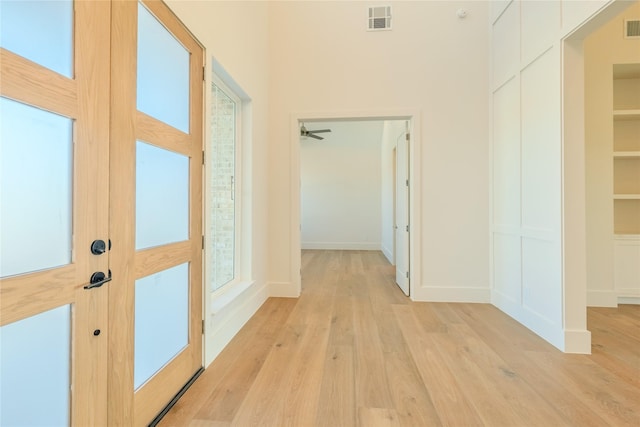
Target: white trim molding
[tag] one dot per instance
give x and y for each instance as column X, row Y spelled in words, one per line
column 283, row 290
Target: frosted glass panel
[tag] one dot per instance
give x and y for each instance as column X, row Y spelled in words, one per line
column 161, row 320
column 35, row 188
column 163, row 73
column 41, row 31
column 35, row 370
column 162, row 196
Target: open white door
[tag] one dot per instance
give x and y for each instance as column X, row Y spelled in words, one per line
column 402, row 212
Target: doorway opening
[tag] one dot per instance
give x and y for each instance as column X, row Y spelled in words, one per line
column 580, row 283
column 345, row 190
column 612, row 162
column 354, row 189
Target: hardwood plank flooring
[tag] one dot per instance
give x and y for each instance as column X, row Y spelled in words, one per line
column 354, row 351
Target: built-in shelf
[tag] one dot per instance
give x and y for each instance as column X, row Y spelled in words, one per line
column 626, row 154
column 626, row 114
column 626, row 236
column 626, row 146
column 626, row 179
column 626, row 196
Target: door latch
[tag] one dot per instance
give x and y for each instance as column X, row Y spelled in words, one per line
column 98, row 279
column 98, row 247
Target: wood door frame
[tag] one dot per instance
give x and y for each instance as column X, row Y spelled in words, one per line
column 129, row 125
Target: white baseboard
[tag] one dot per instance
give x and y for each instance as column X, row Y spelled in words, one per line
column 549, row 330
column 345, row 246
column 629, row 300
column 388, row 253
column 602, row 299
column 577, row 341
column 450, row 294
column 225, row 324
column 283, row 290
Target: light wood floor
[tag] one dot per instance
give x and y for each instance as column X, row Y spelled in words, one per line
column 354, row 351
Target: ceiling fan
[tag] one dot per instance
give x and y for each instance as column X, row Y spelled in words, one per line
column 312, row 133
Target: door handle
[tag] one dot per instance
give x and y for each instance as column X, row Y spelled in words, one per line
column 98, row 279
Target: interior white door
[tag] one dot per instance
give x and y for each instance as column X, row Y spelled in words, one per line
column 402, row 213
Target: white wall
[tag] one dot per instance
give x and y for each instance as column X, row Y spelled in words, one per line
column 602, row 49
column 243, row 52
column 341, row 179
column 392, row 130
column 322, row 60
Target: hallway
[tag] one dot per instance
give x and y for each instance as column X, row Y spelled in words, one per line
column 354, row 351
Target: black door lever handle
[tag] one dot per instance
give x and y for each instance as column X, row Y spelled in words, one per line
column 98, row 279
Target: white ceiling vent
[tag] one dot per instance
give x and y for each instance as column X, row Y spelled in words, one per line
column 632, row 29
column 379, row 18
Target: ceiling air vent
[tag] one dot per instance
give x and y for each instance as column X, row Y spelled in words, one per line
column 632, row 29
column 379, row 18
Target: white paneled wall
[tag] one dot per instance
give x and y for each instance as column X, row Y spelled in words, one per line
column 527, row 164
column 506, row 45
column 506, row 156
column 538, row 17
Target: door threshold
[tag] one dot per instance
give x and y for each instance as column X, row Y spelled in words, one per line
column 175, row 399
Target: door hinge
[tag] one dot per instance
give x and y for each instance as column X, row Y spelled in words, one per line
column 407, row 228
column 407, row 274
column 202, row 326
column 204, row 74
column 203, row 157
column 407, row 182
column 203, row 242
column 408, row 136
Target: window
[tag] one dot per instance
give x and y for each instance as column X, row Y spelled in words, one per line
column 224, row 185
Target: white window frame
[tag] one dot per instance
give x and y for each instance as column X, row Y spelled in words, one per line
column 229, row 290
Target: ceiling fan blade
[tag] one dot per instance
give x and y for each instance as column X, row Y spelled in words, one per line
column 314, row 136
column 320, row 131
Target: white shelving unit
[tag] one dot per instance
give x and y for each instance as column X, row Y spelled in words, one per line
column 626, row 181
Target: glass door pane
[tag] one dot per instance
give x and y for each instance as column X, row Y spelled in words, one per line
column 162, row 196
column 163, row 73
column 35, row 355
column 41, row 31
column 36, row 169
column 161, row 320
